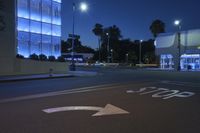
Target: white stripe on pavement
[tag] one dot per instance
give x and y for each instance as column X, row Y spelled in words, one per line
column 49, row 94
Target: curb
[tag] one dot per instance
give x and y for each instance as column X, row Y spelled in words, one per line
column 37, row 78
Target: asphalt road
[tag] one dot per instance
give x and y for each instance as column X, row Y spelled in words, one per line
column 124, row 101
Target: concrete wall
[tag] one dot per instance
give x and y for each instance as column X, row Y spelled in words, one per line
column 27, row 67
column 7, row 35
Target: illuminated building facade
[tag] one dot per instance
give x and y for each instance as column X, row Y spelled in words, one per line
column 27, row 27
column 167, row 49
column 38, row 27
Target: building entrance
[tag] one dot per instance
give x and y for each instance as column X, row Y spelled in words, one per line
column 190, row 61
column 166, row 61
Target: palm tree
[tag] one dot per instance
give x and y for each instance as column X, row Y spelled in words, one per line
column 157, row 27
column 98, row 31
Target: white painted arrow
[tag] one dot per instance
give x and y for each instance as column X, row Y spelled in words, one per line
column 107, row 110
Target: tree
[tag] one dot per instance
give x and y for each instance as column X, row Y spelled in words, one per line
column 149, row 57
column 66, row 46
column 98, row 31
column 157, row 27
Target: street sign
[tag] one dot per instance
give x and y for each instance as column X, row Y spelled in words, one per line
column 107, row 110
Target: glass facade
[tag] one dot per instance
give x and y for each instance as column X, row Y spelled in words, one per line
column 166, row 61
column 187, row 62
column 39, row 27
column 190, row 61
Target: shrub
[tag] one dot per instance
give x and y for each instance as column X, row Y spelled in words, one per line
column 34, row 57
column 51, row 58
column 20, row 56
column 61, row 59
column 42, row 57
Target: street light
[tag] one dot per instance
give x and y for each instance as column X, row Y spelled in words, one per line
column 127, row 58
column 108, row 48
column 83, row 8
column 178, row 23
column 111, row 55
column 140, row 52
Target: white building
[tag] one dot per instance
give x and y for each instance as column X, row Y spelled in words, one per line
column 167, row 49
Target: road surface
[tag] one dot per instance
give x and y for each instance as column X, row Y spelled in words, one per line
column 114, row 101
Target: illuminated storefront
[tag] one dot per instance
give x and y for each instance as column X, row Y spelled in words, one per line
column 167, row 49
column 39, row 27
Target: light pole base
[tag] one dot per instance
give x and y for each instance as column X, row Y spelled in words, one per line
column 179, row 68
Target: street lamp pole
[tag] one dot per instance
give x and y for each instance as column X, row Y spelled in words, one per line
column 83, row 8
column 73, row 67
column 140, row 52
column 178, row 23
column 127, row 58
column 108, row 48
column 111, row 55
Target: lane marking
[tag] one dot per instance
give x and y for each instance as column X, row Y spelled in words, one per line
column 49, row 94
column 72, row 91
column 163, row 93
column 109, row 109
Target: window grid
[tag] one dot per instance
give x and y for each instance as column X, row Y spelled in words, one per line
column 44, row 23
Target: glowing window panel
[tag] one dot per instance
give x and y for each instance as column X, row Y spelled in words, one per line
column 23, row 48
column 56, row 13
column 46, row 45
column 56, row 30
column 23, row 14
column 46, row 29
column 56, row 46
column 190, row 56
column 23, row 8
column 59, row 1
column 35, row 10
column 23, row 24
column 35, row 43
column 35, row 27
column 46, row 11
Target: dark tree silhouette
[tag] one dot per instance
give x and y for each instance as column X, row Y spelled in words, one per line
column 98, row 31
column 157, row 27
column 111, row 36
column 66, row 46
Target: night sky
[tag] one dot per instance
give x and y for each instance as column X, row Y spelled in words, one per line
column 133, row 17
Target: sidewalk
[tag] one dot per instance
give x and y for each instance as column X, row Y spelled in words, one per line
column 4, row 79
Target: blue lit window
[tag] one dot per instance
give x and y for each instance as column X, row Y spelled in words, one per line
column 46, row 45
column 35, row 44
column 23, row 43
column 23, row 24
column 46, row 29
column 56, row 46
column 56, row 13
column 23, row 8
column 46, row 11
column 35, row 27
column 56, row 30
column 35, row 6
column 59, row 1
